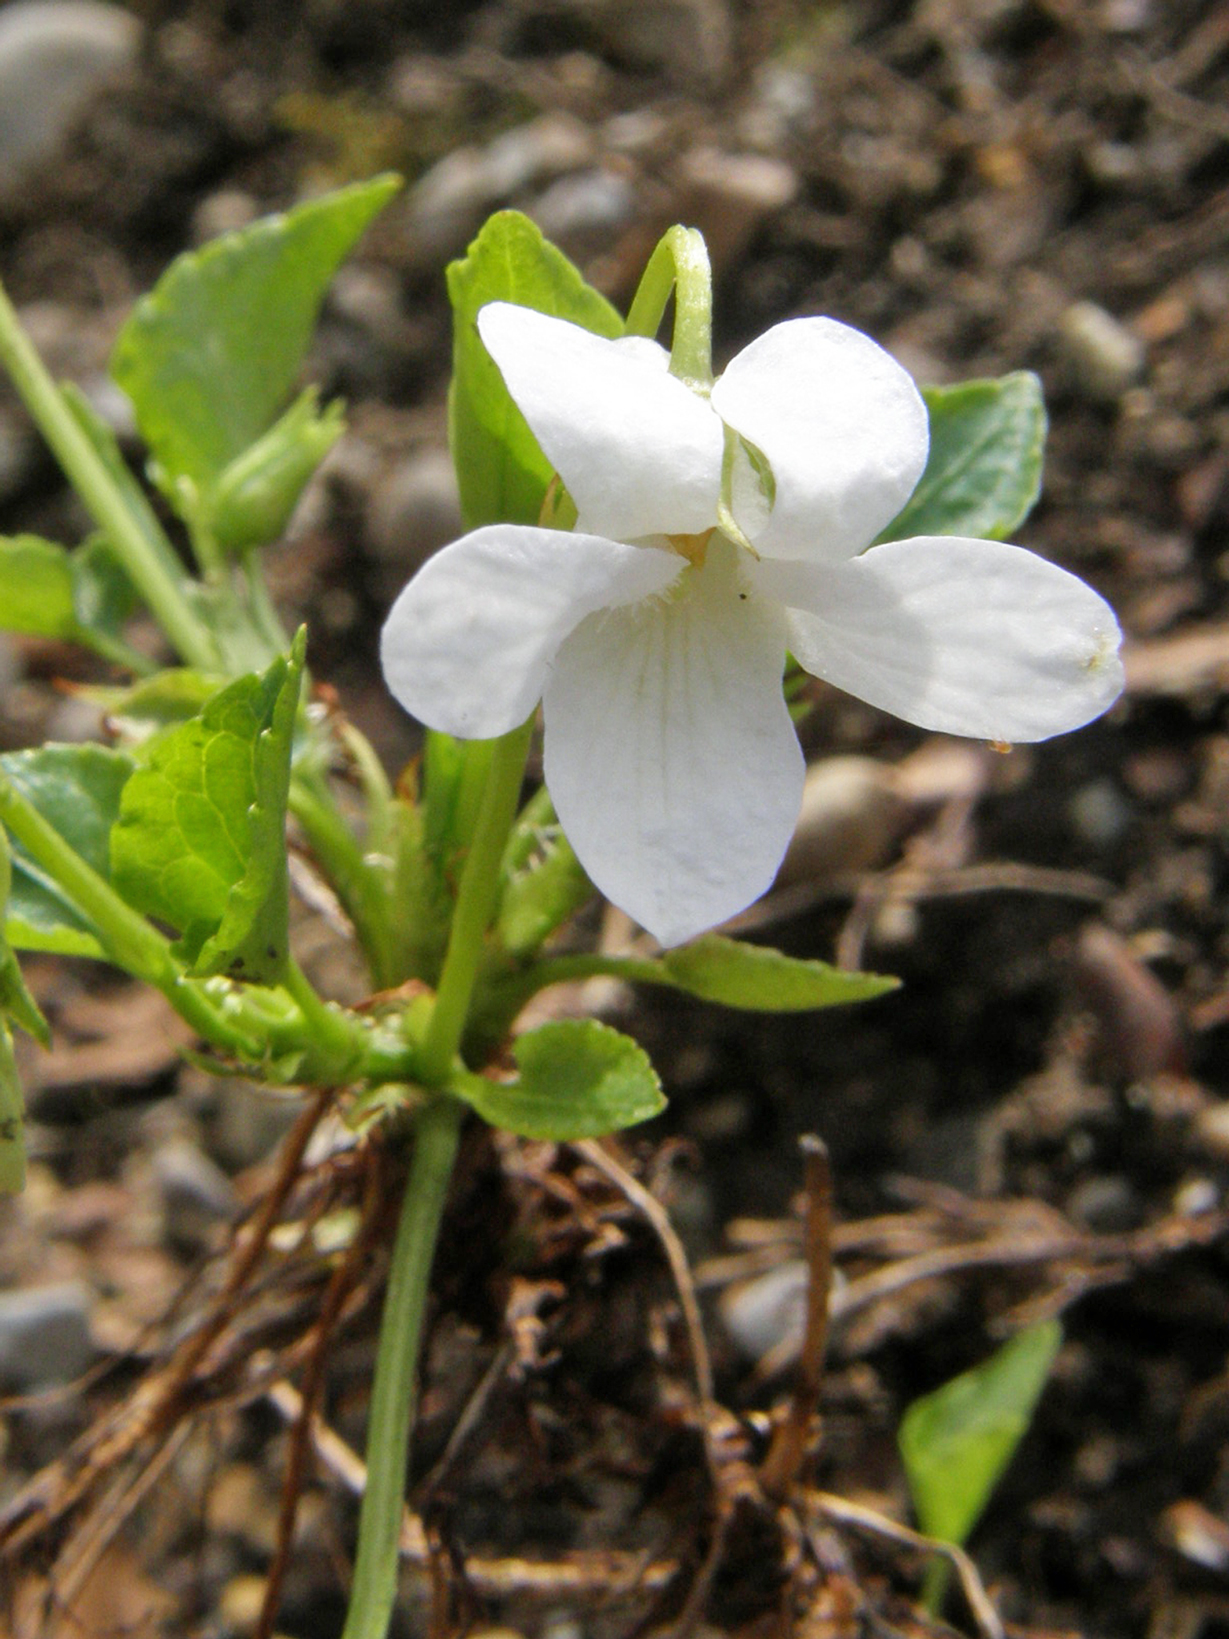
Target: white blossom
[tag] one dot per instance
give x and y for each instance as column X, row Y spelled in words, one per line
column 656, row 641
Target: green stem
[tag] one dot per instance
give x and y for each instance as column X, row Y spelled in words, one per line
column 679, row 264
column 338, row 1041
column 394, row 1389
column 364, row 895
column 475, row 903
column 100, row 494
column 934, row 1586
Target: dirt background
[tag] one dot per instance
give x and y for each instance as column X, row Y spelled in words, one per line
column 1035, row 1124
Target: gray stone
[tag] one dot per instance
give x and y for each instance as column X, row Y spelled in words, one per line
column 54, row 56
column 415, row 509
column 851, row 819
column 447, row 205
column 225, row 211
column 767, row 1312
column 196, row 1194
column 690, row 41
column 582, row 212
column 729, row 196
column 44, row 1335
column 1102, row 356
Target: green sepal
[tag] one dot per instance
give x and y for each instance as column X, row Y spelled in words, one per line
column 956, row 1442
column 256, row 494
column 548, row 887
column 502, row 473
column 578, row 1079
column 77, row 789
column 200, row 841
column 210, row 356
column 983, row 473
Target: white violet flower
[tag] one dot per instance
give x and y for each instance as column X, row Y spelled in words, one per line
column 656, row 642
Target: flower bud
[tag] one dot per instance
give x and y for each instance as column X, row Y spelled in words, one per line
column 259, row 490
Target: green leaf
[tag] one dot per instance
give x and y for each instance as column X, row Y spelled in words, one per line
column 103, row 595
column 956, row 1442
column 763, row 980
column 36, row 588
column 12, row 1120
column 578, row 1079
column 200, row 842
column 82, row 596
column 77, row 789
column 210, row 356
column 502, row 473
column 984, row 471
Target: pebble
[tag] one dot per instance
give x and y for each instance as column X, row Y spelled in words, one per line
column 1102, row 356
column 44, row 1335
column 782, row 108
column 690, row 41
column 1100, row 815
column 582, row 212
column 852, row 817
column 768, row 1311
column 196, row 1194
column 730, row 196
column 225, row 211
column 447, row 205
column 415, row 509
column 54, row 55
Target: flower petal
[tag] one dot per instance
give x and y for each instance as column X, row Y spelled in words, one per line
column 467, row 646
column 844, row 430
column 639, row 452
column 670, row 755
column 962, row 636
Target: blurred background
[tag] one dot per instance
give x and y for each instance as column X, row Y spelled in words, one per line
column 983, row 186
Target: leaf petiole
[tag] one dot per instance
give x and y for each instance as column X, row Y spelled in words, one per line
column 101, row 495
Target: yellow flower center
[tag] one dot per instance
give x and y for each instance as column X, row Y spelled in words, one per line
column 692, row 547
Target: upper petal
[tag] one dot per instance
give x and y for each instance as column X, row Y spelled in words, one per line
column 962, row 636
column 468, row 643
column 844, row 429
column 670, row 755
column 639, row 452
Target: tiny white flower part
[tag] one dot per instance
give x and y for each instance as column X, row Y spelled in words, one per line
column 656, row 644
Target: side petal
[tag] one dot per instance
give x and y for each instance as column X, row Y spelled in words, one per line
column 639, row 452
column 670, row 755
column 467, row 645
column 961, row 636
column 843, row 428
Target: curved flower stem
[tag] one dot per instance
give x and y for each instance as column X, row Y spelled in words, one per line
column 475, row 902
column 679, row 264
column 102, row 498
column 394, row 1392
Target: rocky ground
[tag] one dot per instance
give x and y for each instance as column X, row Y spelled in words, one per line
column 1035, row 1124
